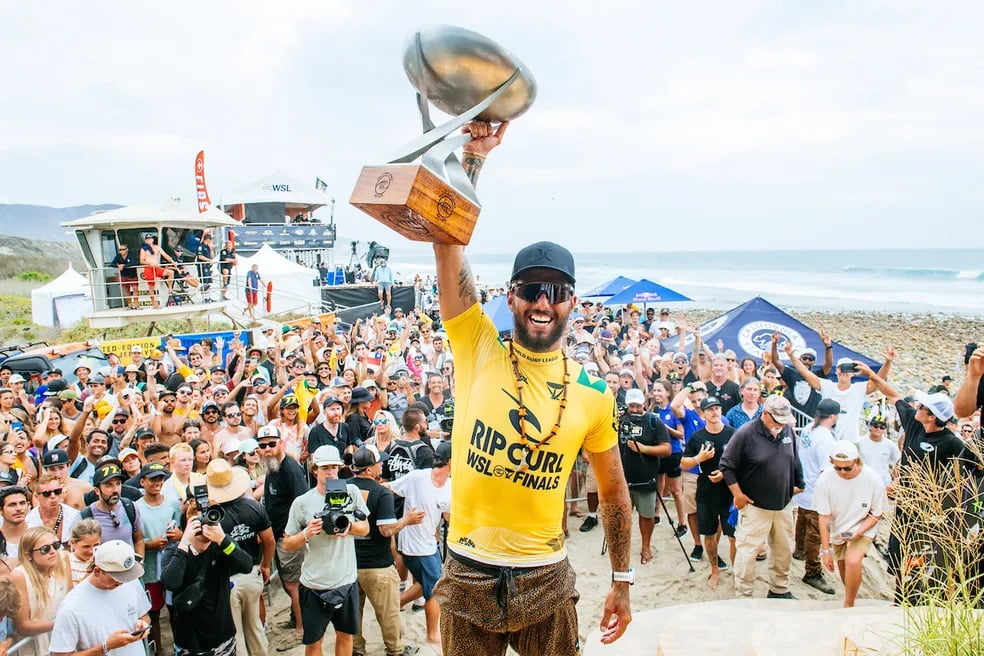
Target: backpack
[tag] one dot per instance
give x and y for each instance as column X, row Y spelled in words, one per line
column 131, row 511
column 411, row 451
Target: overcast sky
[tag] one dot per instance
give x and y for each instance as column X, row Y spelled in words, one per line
column 663, row 126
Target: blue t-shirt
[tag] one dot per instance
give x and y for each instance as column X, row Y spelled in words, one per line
column 670, row 421
column 252, row 281
column 384, row 275
column 691, row 424
column 153, row 524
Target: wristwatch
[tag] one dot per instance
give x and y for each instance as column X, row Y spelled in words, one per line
column 624, row 577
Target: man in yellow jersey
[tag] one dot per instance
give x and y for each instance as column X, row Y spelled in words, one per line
column 519, row 423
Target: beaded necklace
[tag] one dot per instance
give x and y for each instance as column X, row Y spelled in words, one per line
column 520, row 384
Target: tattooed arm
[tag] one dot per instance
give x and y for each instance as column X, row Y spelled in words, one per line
column 456, row 283
column 616, row 516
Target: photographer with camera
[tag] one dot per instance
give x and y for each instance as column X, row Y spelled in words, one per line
column 324, row 522
column 197, row 571
column 247, row 524
column 642, row 440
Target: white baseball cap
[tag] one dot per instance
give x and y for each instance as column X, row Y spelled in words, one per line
column 116, row 558
column 635, row 395
column 326, row 454
column 844, row 450
column 940, row 404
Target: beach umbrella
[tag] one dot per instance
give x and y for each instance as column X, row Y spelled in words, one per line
column 610, row 288
column 498, row 310
column 646, row 291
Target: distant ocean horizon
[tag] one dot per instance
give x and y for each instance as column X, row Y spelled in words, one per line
column 888, row 280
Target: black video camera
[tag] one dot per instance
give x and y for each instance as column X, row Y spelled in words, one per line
column 629, row 427
column 448, row 411
column 334, row 518
column 210, row 514
column 969, row 351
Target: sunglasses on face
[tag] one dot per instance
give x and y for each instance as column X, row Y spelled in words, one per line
column 380, row 421
column 213, row 410
column 531, row 291
column 876, row 425
column 48, row 548
column 843, row 469
column 808, row 358
column 267, row 445
column 51, row 493
column 121, row 420
column 732, row 359
column 966, row 429
column 233, row 414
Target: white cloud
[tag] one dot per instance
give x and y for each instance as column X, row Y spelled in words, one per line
column 715, row 113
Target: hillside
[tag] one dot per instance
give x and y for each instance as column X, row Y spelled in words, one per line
column 19, row 254
column 40, row 221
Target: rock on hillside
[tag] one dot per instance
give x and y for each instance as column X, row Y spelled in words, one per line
column 21, row 247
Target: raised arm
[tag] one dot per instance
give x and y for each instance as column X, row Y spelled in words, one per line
column 965, row 402
column 879, row 383
column 811, row 378
column 828, row 353
column 883, row 372
column 774, row 353
column 454, row 276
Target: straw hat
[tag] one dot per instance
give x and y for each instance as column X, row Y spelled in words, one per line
column 225, row 482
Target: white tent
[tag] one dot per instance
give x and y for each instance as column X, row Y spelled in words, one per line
column 294, row 286
column 62, row 302
column 278, row 187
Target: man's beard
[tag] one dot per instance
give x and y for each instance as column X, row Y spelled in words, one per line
column 272, row 464
column 536, row 344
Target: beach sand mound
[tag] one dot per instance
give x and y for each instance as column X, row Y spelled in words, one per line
column 763, row 627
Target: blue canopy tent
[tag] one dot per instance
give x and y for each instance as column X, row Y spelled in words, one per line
column 747, row 330
column 610, row 288
column 646, row 291
column 498, row 310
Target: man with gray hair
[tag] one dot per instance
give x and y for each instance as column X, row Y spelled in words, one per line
column 762, row 468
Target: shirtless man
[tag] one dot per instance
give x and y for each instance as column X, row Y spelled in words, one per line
column 150, row 258
column 55, row 462
column 210, row 425
column 234, row 429
column 167, row 424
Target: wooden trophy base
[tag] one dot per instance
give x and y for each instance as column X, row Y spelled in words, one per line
column 419, row 205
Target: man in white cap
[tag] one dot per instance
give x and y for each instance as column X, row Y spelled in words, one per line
column 107, row 611
column 329, row 589
column 850, row 395
column 762, row 468
column 850, row 499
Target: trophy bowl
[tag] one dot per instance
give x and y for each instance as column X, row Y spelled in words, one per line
column 456, row 69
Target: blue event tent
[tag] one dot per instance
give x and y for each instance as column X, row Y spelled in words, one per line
column 747, row 329
column 610, row 288
column 498, row 310
column 646, row 291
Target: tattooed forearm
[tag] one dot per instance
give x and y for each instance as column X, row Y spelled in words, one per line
column 466, row 285
column 472, row 164
column 615, row 509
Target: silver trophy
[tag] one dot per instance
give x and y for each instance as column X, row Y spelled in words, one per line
column 469, row 77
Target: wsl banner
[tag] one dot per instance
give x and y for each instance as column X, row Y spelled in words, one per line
column 201, row 191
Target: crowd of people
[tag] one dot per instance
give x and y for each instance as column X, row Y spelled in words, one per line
column 185, row 479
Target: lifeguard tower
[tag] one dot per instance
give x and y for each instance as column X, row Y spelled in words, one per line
column 178, row 232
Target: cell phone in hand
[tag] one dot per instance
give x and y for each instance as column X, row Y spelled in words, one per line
column 142, row 631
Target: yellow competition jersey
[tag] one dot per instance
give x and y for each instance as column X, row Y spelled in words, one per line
column 499, row 515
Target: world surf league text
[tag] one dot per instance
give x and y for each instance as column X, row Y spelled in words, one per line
column 488, row 441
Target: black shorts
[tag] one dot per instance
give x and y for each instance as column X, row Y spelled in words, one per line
column 670, row 465
column 711, row 514
column 315, row 616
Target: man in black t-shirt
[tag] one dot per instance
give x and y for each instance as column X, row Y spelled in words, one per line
column 331, row 431
column 227, row 260
column 643, row 440
column 704, row 449
column 799, row 392
column 928, row 445
column 127, row 265
column 720, row 386
column 285, row 481
column 379, row 580
column 247, row 524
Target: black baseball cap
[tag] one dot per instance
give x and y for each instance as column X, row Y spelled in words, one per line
column 544, row 255
column 709, row 402
column 107, row 472
column 828, row 408
column 443, row 451
column 153, row 470
column 54, row 457
column 366, row 456
column 8, row 477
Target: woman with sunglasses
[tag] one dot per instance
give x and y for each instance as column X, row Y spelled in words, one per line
column 384, row 430
column 293, row 433
column 43, row 578
column 8, row 457
column 250, row 460
column 447, row 370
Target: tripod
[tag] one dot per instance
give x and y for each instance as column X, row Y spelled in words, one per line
column 669, row 523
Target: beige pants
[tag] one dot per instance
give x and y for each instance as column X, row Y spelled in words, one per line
column 244, row 599
column 756, row 526
column 382, row 587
